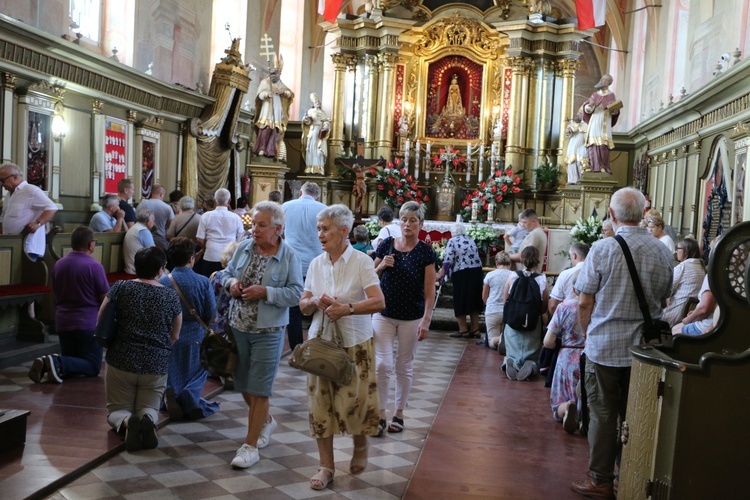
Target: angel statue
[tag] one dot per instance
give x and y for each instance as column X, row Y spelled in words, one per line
column 317, row 129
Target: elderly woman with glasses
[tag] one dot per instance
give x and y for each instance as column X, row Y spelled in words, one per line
column 688, row 277
column 264, row 278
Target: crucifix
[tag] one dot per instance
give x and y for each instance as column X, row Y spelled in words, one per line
column 267, row 46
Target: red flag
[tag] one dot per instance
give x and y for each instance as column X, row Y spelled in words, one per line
column 329, row 9
column 590, row 13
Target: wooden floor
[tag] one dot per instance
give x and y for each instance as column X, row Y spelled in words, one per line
column 495, row 438
column 492, row 437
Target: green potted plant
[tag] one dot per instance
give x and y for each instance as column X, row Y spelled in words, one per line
column 547, row 176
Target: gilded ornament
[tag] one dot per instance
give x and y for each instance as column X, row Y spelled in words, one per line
column 457, row 31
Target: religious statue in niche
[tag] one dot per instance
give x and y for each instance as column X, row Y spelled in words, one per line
column 147, row 169
column 37, row 154
column 575, row 154
column 454, row 98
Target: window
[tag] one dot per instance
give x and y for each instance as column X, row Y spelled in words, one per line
column 86, row 14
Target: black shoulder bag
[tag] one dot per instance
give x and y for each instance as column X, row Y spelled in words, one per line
column 652, row 330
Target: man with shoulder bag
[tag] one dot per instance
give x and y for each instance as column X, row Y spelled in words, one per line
column 612, row 321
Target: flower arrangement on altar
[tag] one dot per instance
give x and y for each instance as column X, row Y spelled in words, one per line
column 445, row 156
column 439, row 247
column 483, row 236
column 373, row 228
column 587, row 230
column 498, row 188
column 396, row 186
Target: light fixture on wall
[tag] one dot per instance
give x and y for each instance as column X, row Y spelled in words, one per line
column 59, row 127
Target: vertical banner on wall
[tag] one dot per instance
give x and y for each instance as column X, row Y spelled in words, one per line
column 115, row 167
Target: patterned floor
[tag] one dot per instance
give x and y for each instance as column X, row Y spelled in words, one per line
column 192, row 460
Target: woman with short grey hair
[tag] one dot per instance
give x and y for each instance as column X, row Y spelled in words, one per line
column 264, row 279
column 341, row 292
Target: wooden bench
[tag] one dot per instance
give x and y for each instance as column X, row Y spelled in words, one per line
column 26, row 293
column 12, row 428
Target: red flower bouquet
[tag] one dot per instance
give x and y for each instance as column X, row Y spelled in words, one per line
column 396, row 185
column 499, row 188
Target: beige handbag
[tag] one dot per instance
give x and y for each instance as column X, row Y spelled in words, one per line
column 325, row 358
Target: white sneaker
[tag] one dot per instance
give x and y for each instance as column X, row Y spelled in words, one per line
column 247, row 456
column 264, row 439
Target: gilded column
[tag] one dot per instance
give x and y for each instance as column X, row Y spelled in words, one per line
column 9, row 86
column 385, row 114
column 567, row 67
column 373, row 69
column 519, row 93
column 336, row 142
column 97, row 173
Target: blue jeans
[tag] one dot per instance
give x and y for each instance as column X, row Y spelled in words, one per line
column 607, row 391
column 259, row 355
column 81, row 354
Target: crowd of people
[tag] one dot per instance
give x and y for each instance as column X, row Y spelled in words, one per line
column 297, row 259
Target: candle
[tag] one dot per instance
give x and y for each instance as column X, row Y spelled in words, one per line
column 481, row 162
column 490, row 212
column 408, row 144
column 474, row 209
column 468, row 162
column 416, row 159
column 429, row 145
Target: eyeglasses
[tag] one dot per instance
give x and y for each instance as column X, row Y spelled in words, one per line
column 2, row 181
column 680, row 248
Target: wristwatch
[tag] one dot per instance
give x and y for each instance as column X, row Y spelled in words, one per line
column 351, row 309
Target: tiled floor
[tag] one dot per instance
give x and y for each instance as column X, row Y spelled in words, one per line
column 470, row 433
column 192, row 460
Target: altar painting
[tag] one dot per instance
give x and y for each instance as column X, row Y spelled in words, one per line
column 454, row 98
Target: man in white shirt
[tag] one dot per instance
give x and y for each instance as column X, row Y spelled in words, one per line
column 26, row 210
column 563, row 289
column 217, row 229
column 110, row 219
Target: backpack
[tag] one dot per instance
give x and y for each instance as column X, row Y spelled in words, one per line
column 524, row 304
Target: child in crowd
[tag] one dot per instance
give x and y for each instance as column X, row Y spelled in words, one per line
column 362, row 238
column 515, row 236
column 492, row 295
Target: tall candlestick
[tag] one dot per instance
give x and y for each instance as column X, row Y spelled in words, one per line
column 481, row 162
column 490, row 212
column 474, row 210
column 416, row 159
column 468, row 162
column 408, row 145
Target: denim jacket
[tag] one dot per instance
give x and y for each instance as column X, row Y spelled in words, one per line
column 282, row 279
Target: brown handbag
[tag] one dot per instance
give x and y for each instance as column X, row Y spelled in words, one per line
column 218, row 353
column 325, row 358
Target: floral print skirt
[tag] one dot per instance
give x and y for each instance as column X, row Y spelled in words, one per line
column 351, row 409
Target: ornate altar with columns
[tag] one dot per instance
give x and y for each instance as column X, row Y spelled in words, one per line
column 491, row 85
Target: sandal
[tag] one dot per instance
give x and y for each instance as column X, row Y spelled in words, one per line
column 397, row 425
column 358, row 464
column 321, row 480
column 381, row 428
column 473, row 335
column 459, row 335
